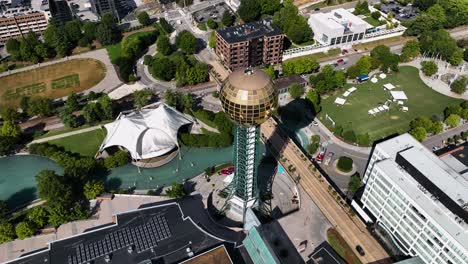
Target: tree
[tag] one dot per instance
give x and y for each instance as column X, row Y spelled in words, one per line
column 296, row 90
column 300, row 66
column 164, row 45
column 429, row 68
column 58, row 214
column 7, row 232
column 269, row 7
column 40, row 106
column 410, row 50
column 52, row 188
column 73, row 31
column 27, row 48
column 314, row 98
column 453, row 109
column 363, row 65
column 456, row 12
column 13, row 47
column 339, row 78
column 424, row 4
column 197, row 74
column 106, row 107
column 4, row 209
column 24, row 230
column 176, row 191
column 437, row 127
column 165, row 26
column 107, row 32
column 464, row 114
column 90, row 113
column 117, row 159
column 68, row 119
column 354, row 183
column 349, row 136
column 419, row 133
column 187, row 42
column 143, row 18
column 211, row 23
column 10, row 129
column 376, row 15
column 92, row 189
column 24, row 104
column 249, row 10
column 227, row 19
column 453, row 120
column 141, row 97
column 421, row 121
column 361, row 8
column 293, row 25
column 459, row 85
column 212, row 42
column 384, row 58
column 10, row 114
column 38, row 216
column 163, row 68
column 7, row 145
column 440, row 43
column 72, row 103
column 89, row 30
column 270, row 70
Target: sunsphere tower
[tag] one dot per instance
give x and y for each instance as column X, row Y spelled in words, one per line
column 248, row 97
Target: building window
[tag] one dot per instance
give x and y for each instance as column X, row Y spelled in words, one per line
column 324, row 38
column 361, row 35
column 355, row 37
column 344, row 39
column 338, row 40
column 350, row 37
column 333, row 40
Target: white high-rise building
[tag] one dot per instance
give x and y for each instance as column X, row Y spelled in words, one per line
column 418, row 199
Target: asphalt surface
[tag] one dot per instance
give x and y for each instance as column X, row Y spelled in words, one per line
column 437, row 140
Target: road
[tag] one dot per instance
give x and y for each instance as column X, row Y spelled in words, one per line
column 351, row 229
column 437, row 140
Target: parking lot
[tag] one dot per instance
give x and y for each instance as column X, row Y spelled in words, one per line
column 401, row 12
column 215, row 12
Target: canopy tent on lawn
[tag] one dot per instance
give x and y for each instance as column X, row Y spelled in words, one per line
column 346, row 94
column 383, row 76
column 340, row 101
column 399, row 95
column 374, row 80
column 389, row 86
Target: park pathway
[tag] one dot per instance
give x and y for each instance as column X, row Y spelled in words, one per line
column 71, row 133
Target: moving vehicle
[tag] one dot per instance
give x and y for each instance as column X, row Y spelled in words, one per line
column 315, row 123
column 360, row 250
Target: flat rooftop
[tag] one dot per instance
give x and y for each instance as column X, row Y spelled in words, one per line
column 159, row 233
column 249, row 31
column 338, row 19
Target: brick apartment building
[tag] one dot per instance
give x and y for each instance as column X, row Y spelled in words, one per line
column 250, row 44
column 19, row 24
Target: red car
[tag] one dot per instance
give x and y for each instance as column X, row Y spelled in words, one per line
column 227, row 171
column 340, row 61
column 320, row 156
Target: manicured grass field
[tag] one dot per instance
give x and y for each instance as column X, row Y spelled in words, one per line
column 374, row 22
column 86, row 144
column 422, row 101
column 42, row 81
column 341, row 247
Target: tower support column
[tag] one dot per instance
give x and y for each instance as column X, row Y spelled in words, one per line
column 246, row 158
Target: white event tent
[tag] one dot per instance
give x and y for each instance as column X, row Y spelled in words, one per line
column 147, row 133
column 340, row 101
column 399, row 95
column 389, row 86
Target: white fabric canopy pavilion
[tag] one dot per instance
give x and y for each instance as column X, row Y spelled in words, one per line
column 346, row 94
column 381, row 108
column 385, row 107
column 371, row 112
column 374, row 80
column 389, row 86
column 399, row 95
column 147, row 133
column 383, row 76
column 340, row 101
column 376, row 110
column 404, row 109
column 352, row 89
column 400, row 103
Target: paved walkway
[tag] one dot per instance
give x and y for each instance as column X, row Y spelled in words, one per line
column 110, row 81
column 76, row 132
column 435, row 82
column 351, row 228
column 436, row 140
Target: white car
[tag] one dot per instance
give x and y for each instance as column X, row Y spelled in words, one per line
column 315, row 123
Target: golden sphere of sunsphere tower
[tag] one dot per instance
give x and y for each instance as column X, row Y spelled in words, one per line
column 248, row 97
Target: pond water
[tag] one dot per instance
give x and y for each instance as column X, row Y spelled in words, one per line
column 18, row 186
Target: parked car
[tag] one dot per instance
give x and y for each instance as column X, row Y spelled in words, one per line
column 315, row 123
column 317, row 9
column 344, row 51
column 340, row 61
column 360, row 250
column 320, row 156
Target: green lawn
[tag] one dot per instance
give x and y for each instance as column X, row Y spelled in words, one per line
column 115, row 51
column 422, row 101
column 66, row 130
column 86, row 144
column 372, row 21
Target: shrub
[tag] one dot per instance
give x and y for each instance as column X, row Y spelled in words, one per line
column 349, row 136
column 419, row 133
column 453, row 120
column 345, row 164
column 176, row 191
column 459, row 85
column 429, row 68
column 24, row 230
